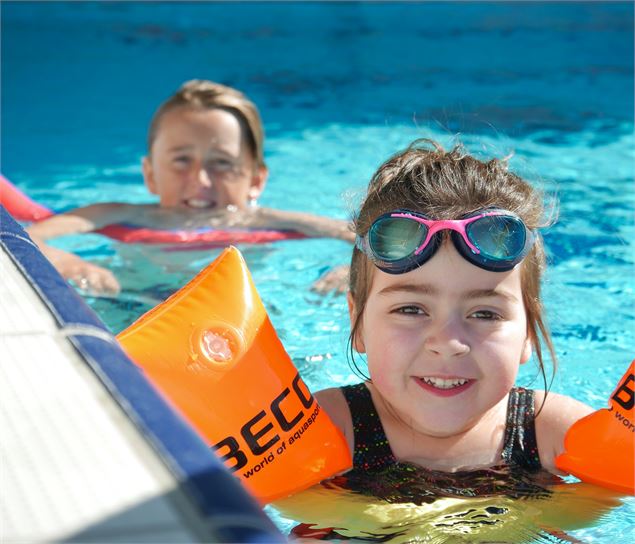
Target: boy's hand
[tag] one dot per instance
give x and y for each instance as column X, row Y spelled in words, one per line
column 335, row 279
column 86, row 276
column 91, row 278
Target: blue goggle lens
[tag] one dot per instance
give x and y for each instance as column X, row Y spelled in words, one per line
column 498, row 237
column 395, row 238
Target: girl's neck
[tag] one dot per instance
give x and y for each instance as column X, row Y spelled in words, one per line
column 479, row 446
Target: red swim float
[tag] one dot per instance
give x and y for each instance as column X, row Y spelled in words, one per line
column 20, row 206
column 23, row 208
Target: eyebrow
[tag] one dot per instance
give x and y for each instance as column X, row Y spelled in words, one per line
column 490, row 293
column 429, row 290
column 180, row 148
column 183, row 148
column 417, row 288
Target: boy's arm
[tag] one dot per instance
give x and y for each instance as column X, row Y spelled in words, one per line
column 314, row 226
column 306, row 223
column 556, row 417
column 87, row 276
column 79, row 220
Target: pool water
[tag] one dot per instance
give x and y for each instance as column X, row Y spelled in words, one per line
column 341, row 86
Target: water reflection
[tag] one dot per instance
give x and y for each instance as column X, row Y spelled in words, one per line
column 406, row 503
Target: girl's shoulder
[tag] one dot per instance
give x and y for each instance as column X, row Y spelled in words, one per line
column 333, row 402
column 555, row 414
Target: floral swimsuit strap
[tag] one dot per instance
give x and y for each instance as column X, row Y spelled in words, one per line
column 373, row 452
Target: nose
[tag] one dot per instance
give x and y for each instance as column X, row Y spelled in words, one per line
column 204, row 177
column 446, row 339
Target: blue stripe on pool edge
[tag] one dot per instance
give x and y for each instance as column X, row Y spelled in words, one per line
column 227, row 507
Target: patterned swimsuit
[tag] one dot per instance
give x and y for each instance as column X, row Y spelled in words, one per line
column 373, row 452
column 378, row 474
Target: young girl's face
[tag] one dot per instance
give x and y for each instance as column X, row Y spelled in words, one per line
column 444, row 341
column 199, row 160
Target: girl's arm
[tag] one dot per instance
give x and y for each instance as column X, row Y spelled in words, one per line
column 552, row 423
column 79, row 220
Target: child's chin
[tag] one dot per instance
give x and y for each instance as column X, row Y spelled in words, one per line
column 200, row 204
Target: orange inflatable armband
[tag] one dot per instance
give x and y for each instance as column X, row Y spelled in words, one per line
column 600, row 448
column 212, row 351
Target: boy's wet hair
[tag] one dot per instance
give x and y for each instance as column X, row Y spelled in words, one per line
column 448, row 185
column 200, row 94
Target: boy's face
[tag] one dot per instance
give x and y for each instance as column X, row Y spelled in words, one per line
column 199, row 160
column 444, row 341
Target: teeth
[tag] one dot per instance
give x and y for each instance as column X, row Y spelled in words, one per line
column 198, row 203
column 440, row 383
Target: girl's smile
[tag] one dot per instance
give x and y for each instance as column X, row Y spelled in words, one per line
column 444, row 386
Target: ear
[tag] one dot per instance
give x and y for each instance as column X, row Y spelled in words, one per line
column 358, row 341
column 526, row 352
column 148, row 175
column 258, row 182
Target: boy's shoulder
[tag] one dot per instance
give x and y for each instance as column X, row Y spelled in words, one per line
column 103, row 213
column 103, row 207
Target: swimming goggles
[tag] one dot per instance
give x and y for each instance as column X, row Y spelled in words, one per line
column 402, row 240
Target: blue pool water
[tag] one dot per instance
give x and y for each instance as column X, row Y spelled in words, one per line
column 341, row 86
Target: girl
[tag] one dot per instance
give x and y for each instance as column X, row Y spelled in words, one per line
column 206, row 164
column 445, row 303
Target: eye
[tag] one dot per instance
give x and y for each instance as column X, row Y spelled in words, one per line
column 410, row 310
column 486, row 315
column 221, row 165
column 182, row 161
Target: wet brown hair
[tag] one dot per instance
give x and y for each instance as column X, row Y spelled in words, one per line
column 200, row 94
column 447, row 185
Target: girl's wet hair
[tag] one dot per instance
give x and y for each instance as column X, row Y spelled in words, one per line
column 448, row 185
column 200, row 94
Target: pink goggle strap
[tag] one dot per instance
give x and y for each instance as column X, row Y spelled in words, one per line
column 434, row 226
